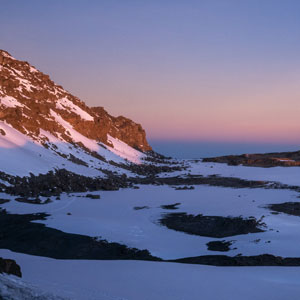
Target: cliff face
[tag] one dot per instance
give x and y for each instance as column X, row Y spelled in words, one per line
column 30, row 102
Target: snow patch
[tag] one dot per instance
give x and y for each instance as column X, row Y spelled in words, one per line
column 122, row 149
column 33, row 69
column 75, row 135
column 64, row 103
column 10, row 101
column 109, row 153
column 26, row 84
column 5, row 182
column 136, row 280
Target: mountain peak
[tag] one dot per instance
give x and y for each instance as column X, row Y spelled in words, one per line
column 5, row 53
column 28, row 96
column 46, row 114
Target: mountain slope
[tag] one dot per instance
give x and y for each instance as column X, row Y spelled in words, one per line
column 44, row 127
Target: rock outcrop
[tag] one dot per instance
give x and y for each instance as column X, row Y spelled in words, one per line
column 265, row 160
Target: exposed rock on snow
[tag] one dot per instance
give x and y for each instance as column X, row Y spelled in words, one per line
column 170, row 206
column 55, row 183
column 2, row 201
column 211, row 226
column 267, row 160
column 23, row 235
column 199, row 180
column 9, row 266
column 240, row 260
column 222, row 246
column 290, row 208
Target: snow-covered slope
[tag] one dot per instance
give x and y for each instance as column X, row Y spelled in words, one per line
column 136, row 280
column 21, row 155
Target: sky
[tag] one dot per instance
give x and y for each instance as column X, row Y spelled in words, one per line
column 194, row 71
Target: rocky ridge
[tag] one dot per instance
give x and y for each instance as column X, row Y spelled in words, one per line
column 28, row 98
column 265, row 160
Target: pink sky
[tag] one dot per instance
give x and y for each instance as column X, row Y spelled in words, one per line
column 245, row 107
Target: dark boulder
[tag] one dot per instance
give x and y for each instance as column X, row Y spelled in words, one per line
column 9, row 266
